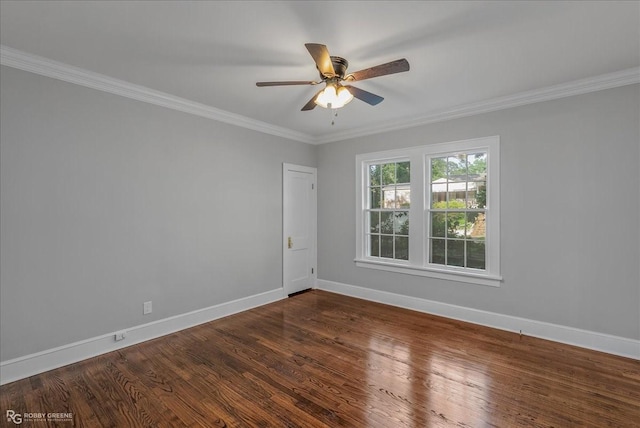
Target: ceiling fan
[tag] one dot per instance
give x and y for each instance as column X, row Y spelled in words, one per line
column 332, row 71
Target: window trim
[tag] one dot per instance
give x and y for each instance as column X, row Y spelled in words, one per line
column 418, row 218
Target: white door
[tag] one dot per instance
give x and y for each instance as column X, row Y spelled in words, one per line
column 299, row 228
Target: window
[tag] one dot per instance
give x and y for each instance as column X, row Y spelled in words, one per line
column 456, row 212
column 387, row 210
column 431, row 211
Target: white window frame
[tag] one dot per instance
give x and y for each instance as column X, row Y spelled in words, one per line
column 418, row 212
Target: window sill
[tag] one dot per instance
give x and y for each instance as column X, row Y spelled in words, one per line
column 450, row 275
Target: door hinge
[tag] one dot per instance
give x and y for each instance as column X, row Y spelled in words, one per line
column 312, row 186
column 312, row 271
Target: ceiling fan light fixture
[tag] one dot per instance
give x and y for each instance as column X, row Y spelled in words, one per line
column 333, row 71
column 334, row 96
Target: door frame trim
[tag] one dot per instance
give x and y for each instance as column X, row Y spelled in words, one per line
column 314, row 219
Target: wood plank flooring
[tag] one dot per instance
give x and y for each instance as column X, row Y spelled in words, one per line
column 324, row 360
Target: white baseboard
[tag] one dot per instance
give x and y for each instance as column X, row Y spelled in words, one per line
column 22, row 367
column 572, row 336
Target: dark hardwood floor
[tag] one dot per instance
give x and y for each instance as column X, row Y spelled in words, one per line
column 324, row 360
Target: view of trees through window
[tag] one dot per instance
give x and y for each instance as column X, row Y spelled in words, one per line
column 388, row 210
column 457, row 210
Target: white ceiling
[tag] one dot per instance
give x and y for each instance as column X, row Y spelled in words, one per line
column 213, row 52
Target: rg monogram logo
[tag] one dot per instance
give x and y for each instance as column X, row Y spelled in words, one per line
column 14, row 417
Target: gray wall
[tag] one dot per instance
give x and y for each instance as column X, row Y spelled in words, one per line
column 108, row 202
column 569, row 212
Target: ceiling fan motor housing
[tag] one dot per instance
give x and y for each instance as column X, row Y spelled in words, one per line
column 340, row 66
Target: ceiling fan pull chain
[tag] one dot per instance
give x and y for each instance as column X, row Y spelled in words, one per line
column 334, row 113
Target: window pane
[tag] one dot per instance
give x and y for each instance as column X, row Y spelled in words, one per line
column 438, row 169
column 456, row 224
column 402, row 172
column 374, row 245
column 374, row 222
column 455, row 252
column 472, row 188
column 456, row 194
column 476, row 227
column 374, row 200
column 476, row 254
column 436, row 253
column 439, row 194
column 481, row 194
column 386, row 246
column 374, row 175
column 388, row 173
column 401, row 223
column 402, row 248
column 438, row 224
column 470, row 219
column 403, row 197
column 386, row 222
column 389, row 197
column 457, row 165
column 477, row 163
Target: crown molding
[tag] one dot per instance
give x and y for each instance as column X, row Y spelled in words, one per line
column 57, row 70
column 577, row 87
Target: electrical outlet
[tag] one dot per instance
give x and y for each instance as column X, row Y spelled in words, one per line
column 147, row 308
column 120, row 335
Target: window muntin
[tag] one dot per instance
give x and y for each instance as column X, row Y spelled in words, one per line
column 387, row 211
column 456, row 210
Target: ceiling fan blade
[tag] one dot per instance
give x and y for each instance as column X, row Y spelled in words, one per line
column 320, row 55
column 365, row 96
column 287, row 83
column 312, row 102
column 397, row 66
